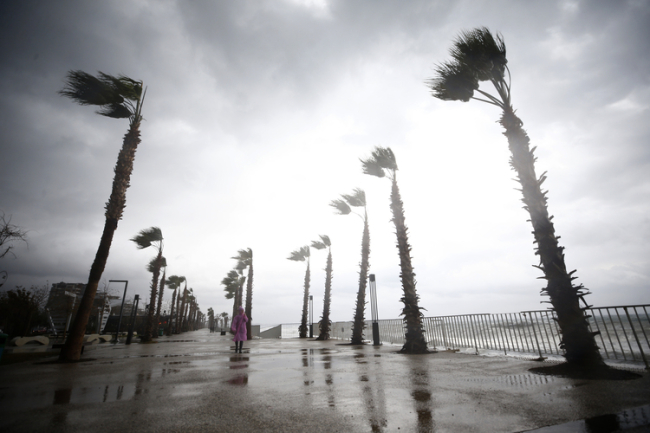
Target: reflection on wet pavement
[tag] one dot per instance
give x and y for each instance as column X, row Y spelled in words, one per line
column 421, row 394
column 636, row 419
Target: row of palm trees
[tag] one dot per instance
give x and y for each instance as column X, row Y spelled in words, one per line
column 184, row 313
column 220, row 320
column 476, row 56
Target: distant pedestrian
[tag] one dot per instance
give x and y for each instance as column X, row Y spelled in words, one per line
column 239, row 329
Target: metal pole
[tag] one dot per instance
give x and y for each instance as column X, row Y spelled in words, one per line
column 119, row 322
column 374, row 312
column 311, row 316
column 134, row 316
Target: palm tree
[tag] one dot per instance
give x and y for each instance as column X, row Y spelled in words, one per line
column 119, row 98
column 161, row 291
column 224, row 316
column 173, row 282
column 382, row 163
column 358, row 199
column 233, row 283
column 180, row 309
column 325, row 322
column 145, row 239
column 300, row 256
column 245, row 259
column 478, row 56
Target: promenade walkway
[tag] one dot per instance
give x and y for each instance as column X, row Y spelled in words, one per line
column 196, row 383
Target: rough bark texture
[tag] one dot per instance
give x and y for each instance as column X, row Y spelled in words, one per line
column 359, row 320
column 578, row 342
column 171, row 315
column 303, row 322
column 415, row 341
column 71, row 350
column 249, row 299
column 158, row 308
column 325, row 319
column 148, row 327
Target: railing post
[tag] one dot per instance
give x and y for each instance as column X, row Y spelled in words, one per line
column 541, row 358
column 645, row 361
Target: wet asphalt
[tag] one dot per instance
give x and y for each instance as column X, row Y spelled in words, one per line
column 194, row 382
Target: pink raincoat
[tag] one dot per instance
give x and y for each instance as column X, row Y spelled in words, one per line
column 239, row 327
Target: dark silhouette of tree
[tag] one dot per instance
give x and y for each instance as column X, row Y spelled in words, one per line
column 300, row 256
column 382, row 163
column 343, row 207
column 245, row 261
column 173, row 282
column 233, row 283
column 325, row 321
column 478, row 56
column 119, row 98
column 145, row 239
column 161, row 290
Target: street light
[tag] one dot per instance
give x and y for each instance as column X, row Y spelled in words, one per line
column 311, row 316
column 374, row 312
column 119, row 322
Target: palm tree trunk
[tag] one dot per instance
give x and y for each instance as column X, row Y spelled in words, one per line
column 160, row 298
column 171, row 315
column 415, row 341
column 148, row 327
column 303, row 322
column 325, row 320
column 180, row 310
column 359, row 319
column 249, row 300
column 578, row 342
column 71, row 350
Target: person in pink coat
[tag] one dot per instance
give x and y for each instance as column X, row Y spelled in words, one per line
column 238, row 328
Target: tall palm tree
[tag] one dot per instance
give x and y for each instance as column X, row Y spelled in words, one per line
column 245, row 259
column 161, row 291
column 300, row 256
column 211, row 323
column 151, row 237
column 173, row 282
column 343, row 207
column 119, row 98
column 478, row 56
column 325, row 322
column 180, row 308
column 224, row 316
column 233, row 283
column 382, row 163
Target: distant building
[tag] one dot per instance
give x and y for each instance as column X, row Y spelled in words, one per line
column 63, row 303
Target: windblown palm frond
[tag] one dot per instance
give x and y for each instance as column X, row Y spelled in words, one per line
column 174, row 281
column 372, row 167
column 453, row 82
column 151, row 267
column 326, row 240
column 299, row 255
column 244, row 256
column 117, row 97
column 341, row 207
column 356, row 199
column 318, row 245
column 382, row 158
column 482, row 52
column 147, row 237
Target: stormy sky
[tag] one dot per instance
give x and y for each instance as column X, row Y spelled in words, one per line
column 257, row 113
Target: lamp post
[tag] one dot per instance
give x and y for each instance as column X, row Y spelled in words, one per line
column 119, row 322
column 311, row 316
column 134, row 316
column 374, row 312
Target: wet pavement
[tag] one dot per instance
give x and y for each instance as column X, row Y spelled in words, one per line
column 196, row 383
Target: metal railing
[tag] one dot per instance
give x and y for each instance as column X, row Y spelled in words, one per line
column 623, row 332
